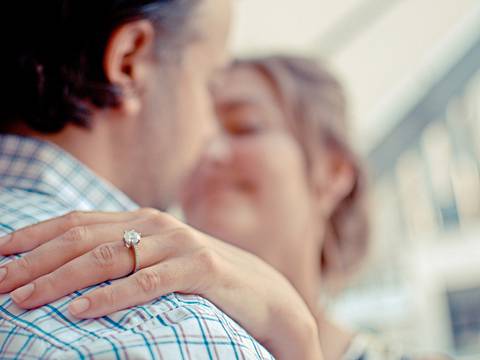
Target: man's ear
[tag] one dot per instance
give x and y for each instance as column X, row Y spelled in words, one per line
column 333, row 180
column 127, row 56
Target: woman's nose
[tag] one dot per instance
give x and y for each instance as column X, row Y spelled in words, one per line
column 219, row 151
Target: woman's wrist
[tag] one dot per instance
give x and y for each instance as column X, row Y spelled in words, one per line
column 308, row 339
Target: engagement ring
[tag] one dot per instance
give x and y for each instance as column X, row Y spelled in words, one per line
column 131, row 239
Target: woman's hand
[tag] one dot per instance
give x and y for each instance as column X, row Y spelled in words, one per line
column 79, row 250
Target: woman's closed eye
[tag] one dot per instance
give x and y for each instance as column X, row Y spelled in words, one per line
column 243, row 124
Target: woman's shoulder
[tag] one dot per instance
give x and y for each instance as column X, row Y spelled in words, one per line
column 371, row 347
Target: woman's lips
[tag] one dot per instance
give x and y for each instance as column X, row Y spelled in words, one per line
column 231, row 186
column 218, row 189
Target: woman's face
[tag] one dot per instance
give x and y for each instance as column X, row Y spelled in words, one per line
column 250, row 187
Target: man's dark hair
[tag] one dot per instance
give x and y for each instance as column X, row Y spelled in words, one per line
column 52, row 57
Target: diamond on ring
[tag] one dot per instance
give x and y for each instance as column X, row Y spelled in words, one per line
column 131, row 238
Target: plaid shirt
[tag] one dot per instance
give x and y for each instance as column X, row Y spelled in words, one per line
column 40, row 181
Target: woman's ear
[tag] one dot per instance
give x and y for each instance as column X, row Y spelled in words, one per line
column 339, row 195
column 127, row 58
column 333, row 180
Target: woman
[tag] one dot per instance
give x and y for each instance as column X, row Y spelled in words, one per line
column 280, row 184
column 283, row 183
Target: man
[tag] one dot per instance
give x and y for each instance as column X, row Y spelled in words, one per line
column 106, row 106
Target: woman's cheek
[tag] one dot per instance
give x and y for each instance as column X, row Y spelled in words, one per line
column 272, row 164
column 283, row 157
column 253, row 160
column 286, row 170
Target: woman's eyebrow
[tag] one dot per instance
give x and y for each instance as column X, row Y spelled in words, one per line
column 238, row 104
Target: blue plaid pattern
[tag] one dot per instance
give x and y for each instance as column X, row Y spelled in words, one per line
column 40, row 181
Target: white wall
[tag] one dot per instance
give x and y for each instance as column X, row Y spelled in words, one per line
column 378, row 60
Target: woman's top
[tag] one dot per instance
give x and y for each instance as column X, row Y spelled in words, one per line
column 368, row 347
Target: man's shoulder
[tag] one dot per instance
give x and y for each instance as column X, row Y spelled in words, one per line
column 227, row 338
column 173, row 326
column 20, row 208
column 183, row 326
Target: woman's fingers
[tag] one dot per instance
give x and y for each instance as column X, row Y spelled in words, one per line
column 53, row 254
column 80, row 239
column 105, row 262
column 145, row 285
column 33, row 236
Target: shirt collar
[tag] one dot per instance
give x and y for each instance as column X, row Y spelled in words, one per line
column 38, row 166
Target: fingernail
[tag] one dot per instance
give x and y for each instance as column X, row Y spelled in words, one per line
column 5, row 239
column 23, row 293
column 3, row 274
column 79, row 306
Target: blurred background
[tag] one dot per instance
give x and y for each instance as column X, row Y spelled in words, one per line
column 412, row 71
